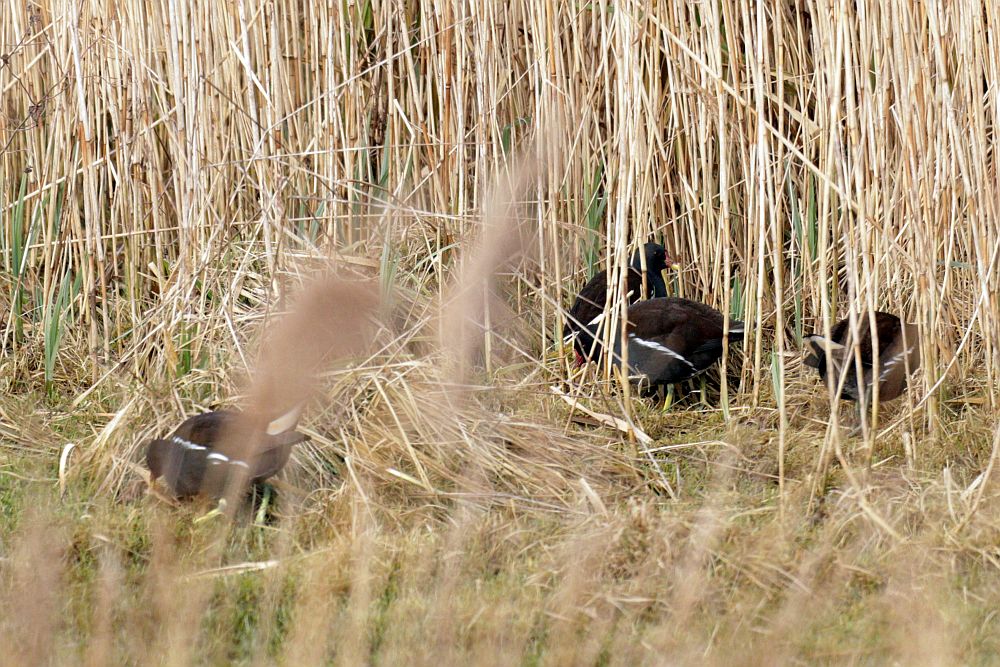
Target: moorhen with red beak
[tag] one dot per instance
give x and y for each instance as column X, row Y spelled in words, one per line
column 190, row 463
column 590, row 302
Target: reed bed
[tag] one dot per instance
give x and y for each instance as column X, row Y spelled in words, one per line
column 175, row 176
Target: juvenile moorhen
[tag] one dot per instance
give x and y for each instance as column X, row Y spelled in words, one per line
column 898, row 355
column 190, row 463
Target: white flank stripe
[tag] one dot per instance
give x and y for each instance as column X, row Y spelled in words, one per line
column 653, row 345
column 887, row 368
column 216, row 458
column 186, row 444
column 827, row 345
column 596, row 320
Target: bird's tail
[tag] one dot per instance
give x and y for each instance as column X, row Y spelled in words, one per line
column 285, row 422
column 282, row 429
column 819, row 348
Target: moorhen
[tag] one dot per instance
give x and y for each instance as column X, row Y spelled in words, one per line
column 669, row 340
column 898, row 355
column 190, row 463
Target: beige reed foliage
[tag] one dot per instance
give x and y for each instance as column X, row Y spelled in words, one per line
column 833, row 152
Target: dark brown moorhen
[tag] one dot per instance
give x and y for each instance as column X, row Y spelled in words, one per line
column 190, row 464
column 671, row 340
column 590, row 302
column 898, row 356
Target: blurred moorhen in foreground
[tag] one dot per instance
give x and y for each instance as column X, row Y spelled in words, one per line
column 590, row 302
column 190, row 463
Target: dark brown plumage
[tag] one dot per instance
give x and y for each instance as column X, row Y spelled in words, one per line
column 589, row 303
column 190, row 463
column 671, row 339
column 898, row 355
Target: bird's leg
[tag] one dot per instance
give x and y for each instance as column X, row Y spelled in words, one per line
column 703, row 389
column 868, row 423
column 265, row 503
column 861, row 415
column 219, row 509
column 668, row 400
column 857, row 421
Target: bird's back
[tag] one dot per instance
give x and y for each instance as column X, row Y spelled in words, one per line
column 672, row 339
